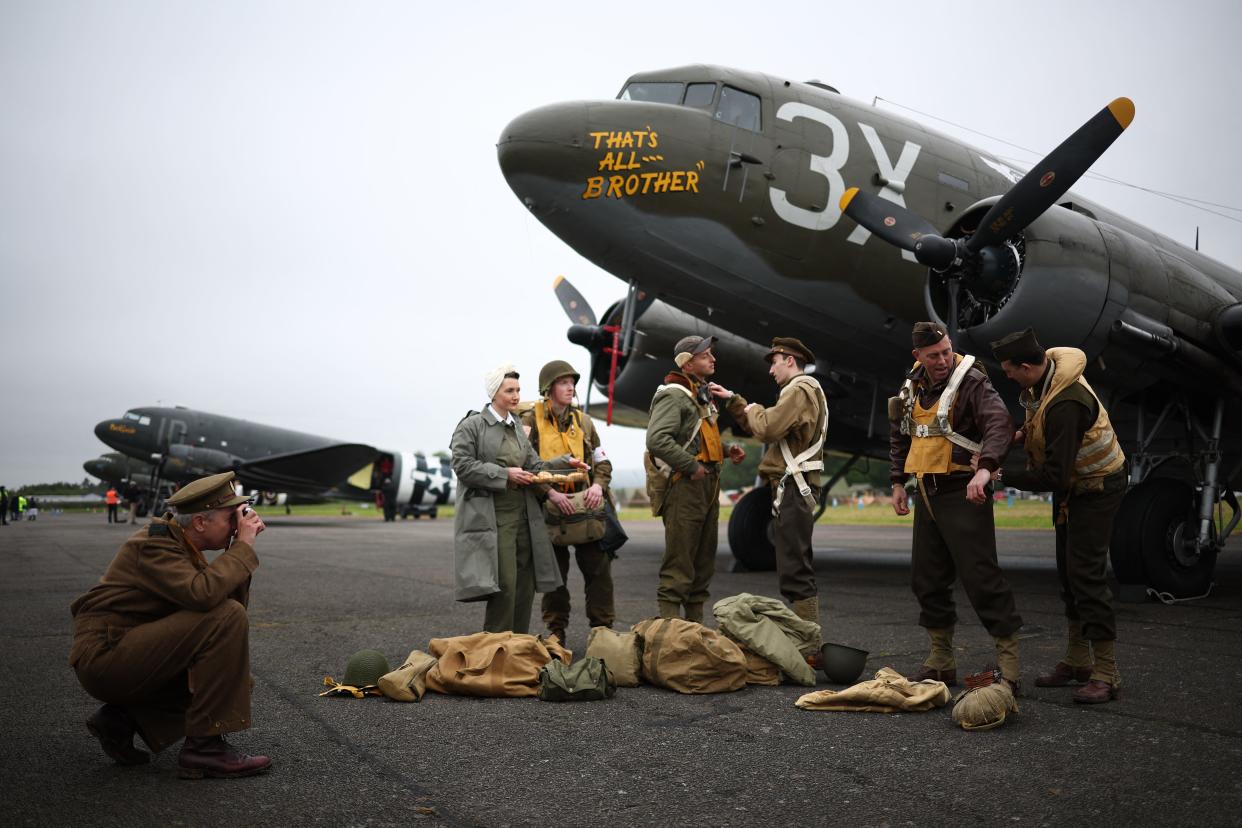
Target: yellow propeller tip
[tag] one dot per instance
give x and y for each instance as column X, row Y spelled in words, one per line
column 557, row 281
column 848, row 197
column 1123, row 111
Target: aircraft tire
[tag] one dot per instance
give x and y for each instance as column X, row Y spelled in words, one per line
column 1125, row 547
column 1168, row 520
column 750, row 536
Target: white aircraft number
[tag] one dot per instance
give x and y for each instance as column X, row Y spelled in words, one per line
column 829, row 166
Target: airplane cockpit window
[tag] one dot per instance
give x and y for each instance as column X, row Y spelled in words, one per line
column 700, row 95
column 738, row 108
column 144, row 420
column 653, row 92
column 131, row 415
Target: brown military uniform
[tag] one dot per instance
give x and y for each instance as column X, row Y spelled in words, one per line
column 594, row 564
column 1085, row 517
column 954, row 538
column 165, row 635
column 797, row 418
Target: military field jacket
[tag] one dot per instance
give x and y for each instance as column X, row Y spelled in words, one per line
column 673, row 418
column 978, row 414
column 156, row 573
column 795, row 417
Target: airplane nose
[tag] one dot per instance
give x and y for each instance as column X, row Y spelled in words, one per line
column 102, row 430
column 543, row 143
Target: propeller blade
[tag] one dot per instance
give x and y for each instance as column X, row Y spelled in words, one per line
column 899, row 227
column 891, row 222
column 576, row 308
column 1048, row 180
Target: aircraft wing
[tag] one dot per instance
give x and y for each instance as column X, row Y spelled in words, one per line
column 314, row 469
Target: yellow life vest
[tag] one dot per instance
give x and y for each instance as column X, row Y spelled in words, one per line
column 552, row 441
column 1100, row 454
column 711, row 450
column 931, row 436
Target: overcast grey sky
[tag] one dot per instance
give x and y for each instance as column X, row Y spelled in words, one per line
column 292, row 212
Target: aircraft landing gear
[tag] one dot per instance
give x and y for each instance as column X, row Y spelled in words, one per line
column 1167, row 532
column 751, row 535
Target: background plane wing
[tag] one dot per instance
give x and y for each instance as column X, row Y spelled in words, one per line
column 317, row 469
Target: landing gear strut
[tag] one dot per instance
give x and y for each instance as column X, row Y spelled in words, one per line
column 1170, row 526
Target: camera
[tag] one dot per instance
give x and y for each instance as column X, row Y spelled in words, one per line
column 247, row 507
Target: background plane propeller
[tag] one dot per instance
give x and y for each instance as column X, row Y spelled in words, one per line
column 612, row 340
column 987, row 259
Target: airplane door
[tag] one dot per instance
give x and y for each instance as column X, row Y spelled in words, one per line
column 176, row 431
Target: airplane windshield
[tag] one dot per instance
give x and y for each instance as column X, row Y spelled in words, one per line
column 653, row 92
column 738, row 108
column 142, row 419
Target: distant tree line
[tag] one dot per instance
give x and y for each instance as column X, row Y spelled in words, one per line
column 87, row 486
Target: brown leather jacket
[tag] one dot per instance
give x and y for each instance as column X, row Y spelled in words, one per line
column 978, row 414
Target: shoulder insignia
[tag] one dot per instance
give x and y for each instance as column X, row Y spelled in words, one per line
column 158, row 530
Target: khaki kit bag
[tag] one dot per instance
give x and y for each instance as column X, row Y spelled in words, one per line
column 687, row 657
column 583, row 526
column 489, row 664
column 622, row 652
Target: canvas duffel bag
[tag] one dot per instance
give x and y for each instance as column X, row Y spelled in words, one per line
column 687, row 657
column 620, row 651
column 503, row 664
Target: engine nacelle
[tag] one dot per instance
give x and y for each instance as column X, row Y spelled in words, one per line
column 650, row 358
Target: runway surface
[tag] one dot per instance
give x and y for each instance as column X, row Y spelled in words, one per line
column 1167, row 753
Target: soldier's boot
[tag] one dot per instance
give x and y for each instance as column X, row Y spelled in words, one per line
column 941, row 665
column 1105, row 682
column 694, row 612
column 1008, row 663
column 115, row 729
column 213, row 757
column 808, row 610
column 670, row 609
column 1076, row 666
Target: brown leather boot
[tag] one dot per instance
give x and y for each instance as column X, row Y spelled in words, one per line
column 115, row 730
column 1096, row 692
column 1063, row 675
column 213, row 757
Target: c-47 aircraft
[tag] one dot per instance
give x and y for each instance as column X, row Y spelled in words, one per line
column 183, row 444
column 745, row 206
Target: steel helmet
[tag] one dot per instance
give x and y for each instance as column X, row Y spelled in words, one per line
column 553, row 371
column 365, row 668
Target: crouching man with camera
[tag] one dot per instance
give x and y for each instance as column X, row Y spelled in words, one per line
column 162, row 639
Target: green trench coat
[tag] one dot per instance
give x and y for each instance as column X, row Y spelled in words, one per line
column 476, row 442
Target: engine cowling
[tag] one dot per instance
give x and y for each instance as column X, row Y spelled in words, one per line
column 203, row 459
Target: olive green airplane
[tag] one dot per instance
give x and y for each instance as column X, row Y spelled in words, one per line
column 178, row 444
column 746, row 206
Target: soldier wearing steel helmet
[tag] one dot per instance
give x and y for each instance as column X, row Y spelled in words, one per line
column 557, row 427
column 162, row 639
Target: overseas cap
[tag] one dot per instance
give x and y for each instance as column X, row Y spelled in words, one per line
column 926, row 334
column 207, row 493
column 789, row 345
column 553, row 371
column 1020, row 346
column 691, row 346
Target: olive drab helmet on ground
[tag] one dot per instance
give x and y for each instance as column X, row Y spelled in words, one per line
column 553, row 371
column 365, row 668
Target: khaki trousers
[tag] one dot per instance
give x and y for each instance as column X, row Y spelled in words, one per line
column 187, row 674
column 691, row 525
column 596, row 568
column 795, row 567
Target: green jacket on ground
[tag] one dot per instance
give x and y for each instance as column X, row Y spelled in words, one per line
column 769, row 628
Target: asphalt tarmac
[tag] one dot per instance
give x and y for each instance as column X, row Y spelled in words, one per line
column 1167, row 752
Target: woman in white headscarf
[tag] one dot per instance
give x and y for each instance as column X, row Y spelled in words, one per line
column 502, row 551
